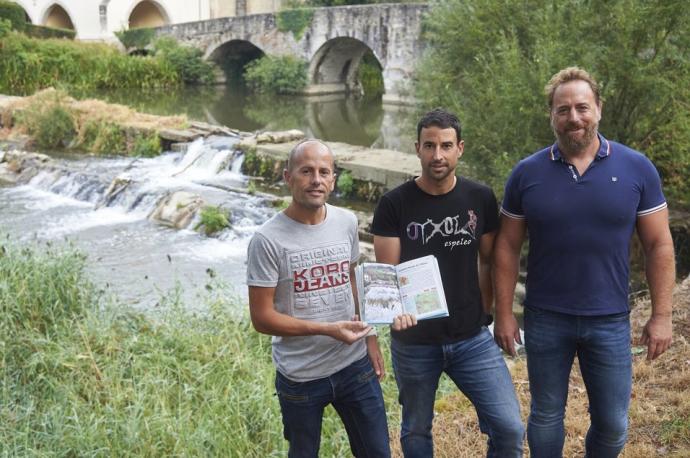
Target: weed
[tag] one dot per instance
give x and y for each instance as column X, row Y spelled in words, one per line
column 213, row 220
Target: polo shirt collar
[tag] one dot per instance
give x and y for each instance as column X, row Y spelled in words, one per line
column 604, row 149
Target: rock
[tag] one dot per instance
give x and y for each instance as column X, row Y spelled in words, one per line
column 118, row 185
column 246, row 144
column 177, row 209
column 178, row 135
column 280, row 136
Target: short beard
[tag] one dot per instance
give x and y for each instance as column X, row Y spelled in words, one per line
column 571, row 145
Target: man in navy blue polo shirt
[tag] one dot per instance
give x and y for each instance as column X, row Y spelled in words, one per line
column 580, row 200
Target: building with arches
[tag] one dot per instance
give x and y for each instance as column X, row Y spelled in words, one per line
column 98, row 20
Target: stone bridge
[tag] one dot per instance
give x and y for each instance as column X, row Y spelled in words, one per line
column 334, row 42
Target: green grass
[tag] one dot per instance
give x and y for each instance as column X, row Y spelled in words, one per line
column 81, row 375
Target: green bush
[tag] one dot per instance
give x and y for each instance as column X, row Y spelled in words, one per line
column 213, row 220
column 102, row 137
column 295, row 20
column 146, row 145
column 5, row 27
column 136, row 38
column 29, row 64
column 187, row 62
column 370, row 76
column 345, row 183
column 40, row 31
column 282, row 75
column 14, row 13
column 50, row 126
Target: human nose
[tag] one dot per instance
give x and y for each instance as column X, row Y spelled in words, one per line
column 437, row 152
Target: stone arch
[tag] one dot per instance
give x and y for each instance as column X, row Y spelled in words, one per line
column 147, row 13
column 334, row 66
column 56, row 15
column 232, row 56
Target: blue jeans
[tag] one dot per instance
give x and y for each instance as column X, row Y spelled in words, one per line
column 355, row 394
column 602, row 346
column 479, row 371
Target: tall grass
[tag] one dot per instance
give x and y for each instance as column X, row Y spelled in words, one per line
column 28, row 64
column 80, row 376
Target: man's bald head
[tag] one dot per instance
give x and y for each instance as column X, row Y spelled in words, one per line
column 310, row 144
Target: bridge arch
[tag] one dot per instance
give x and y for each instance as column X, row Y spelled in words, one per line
column 57, row 15
column 147, row 13
column 334, row 66
column 232, row 56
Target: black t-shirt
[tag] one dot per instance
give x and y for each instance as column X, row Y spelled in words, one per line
column 448, row 226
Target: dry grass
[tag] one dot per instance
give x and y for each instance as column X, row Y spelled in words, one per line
column 659, row 410
column 96, row 110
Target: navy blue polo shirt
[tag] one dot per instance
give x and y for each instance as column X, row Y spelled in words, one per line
column 580, row 226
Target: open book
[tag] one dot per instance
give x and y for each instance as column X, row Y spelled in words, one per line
column 386, row 291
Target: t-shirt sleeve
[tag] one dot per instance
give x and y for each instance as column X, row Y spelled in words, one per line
column 354, row 236
column 512, row 200
column 385, row 222
column 262, row 262
column 490, row 212
column 651, row 195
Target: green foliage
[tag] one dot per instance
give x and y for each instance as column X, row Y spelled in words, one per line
column 40, row 31
column 102, row 137
column 492, row 71
column 345, row 183
column 282, row 75
column 146, row 145
column 186, row 62
column 14, row 13
column 5, row 27
column 28, row 64
column 319, row 3
column 213, row 220
column 295, row 20
column 136, row 38
column 50, row 125
column 251, row 188
column 370, row 75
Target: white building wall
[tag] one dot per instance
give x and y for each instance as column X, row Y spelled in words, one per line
column 85, row 14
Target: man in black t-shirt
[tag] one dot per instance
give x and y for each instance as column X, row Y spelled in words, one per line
column 454, row 219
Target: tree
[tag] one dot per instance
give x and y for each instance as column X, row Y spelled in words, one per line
column 489, row 61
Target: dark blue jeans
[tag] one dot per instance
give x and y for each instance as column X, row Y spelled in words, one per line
column 479, row 371
column 355, row 394
column 602, row 346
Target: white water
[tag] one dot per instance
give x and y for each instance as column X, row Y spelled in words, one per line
column 136, row 258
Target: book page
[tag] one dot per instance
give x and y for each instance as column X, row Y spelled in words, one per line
column 421, row 288
column 381, row 302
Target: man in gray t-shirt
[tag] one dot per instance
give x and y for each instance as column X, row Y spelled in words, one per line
column 299, row 270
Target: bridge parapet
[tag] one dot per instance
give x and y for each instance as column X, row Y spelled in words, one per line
column 333, row 43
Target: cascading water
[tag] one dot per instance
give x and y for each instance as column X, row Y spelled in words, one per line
column 102, row 205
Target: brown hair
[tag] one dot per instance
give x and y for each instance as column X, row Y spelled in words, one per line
column 571, row 74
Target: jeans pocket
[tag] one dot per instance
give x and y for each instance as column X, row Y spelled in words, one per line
column 289, row 390
column 365, row 371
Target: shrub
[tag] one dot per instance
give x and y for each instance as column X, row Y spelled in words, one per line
column 51, row 125
column 345, row 183
column 103, row 137
column 213, row 219
column 186, row 61
column 136, row 38
column 369, row 75
column 295, row 20
column 146, row 145
column 282, row 75
column 14, row 13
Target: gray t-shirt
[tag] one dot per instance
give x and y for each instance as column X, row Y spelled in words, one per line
column 309, row 265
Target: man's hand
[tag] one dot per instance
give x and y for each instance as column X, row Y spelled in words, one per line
column 404, row 321
column 376, row 357
column 348, row 331
column 507, row 332
column 656, row 335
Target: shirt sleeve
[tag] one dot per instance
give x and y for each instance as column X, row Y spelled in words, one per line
column 512, row 199
column 386, row 219
column 491, row 212
column 262, row 262
column 651, row 195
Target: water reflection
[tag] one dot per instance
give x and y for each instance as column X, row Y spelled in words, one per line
column 339, row 118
